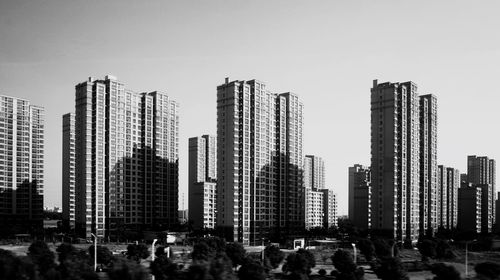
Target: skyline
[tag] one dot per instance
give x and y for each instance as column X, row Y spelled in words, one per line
column 42, row 60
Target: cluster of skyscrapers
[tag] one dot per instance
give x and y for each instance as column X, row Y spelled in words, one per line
column 405, row 194
column 251, row 182
column 264, row 187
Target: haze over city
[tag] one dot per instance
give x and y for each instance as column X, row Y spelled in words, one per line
column 326, row 52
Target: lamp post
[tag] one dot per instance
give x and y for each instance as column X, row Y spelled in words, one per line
column 263, row 248
column 153, row 255
column 466, row 257
column 95, row 251
column 393, row 248
column 354, row 248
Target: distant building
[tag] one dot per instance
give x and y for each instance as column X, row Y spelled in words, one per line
column 497, row 214
column 330, row 208
column 314, row 181
column 395, row 160
column 260, row 192
column 21, row 166
column 68, row 172
column 183, row 216
column 481, row 171
column 360, row 196
column 469, row 208
column 202, row 181
column 126, row 159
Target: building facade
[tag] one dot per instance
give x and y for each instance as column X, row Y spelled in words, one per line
column 330, row 208
column 360, row 196
column 260, row 191
column 21, row 166
column 428, row 165
column 202, row 181
column 481, row 171
column 469, row 208
column 395, row 160
column 448, row 183
column 126, row 159
column 314, row 181
column 68, row 174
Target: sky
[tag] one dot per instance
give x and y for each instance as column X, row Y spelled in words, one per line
column 327, row 52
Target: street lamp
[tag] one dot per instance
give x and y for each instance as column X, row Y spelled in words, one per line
column 466, row 257
column 153, row 254
column 354, row 248
column 95, row 251
column 393, row 248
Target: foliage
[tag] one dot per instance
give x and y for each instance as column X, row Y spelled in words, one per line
column 382, row 248
column 445, row 272
column 444, row 250
column 137, row 252
column 162, row 268
column 389, row 269
column 252, row 269
column 427, row 249
column 76, row 267
column 207, row 248
column 124, row 269
column 221, row 268
column 311, row 261
column 12, row 267
column 343, row 261
column 41, row 256
column 65, row 250
column 367, row 248
column 236, row 253
column 274, row 255
column 488, row 270
column 104, row 255
column 296, row 264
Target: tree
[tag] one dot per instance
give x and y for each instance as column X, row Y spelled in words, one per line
column 221, row 268
column 236, row 253
column 207, row 248
column 41, row 256
column 311, row 261
column 252, row 269
column 488, row 270
column 12, row 267
column 444, row 250
column 382, row 248
column 343, row 261
column 64, row 251
column 445, row 272
column 427, row 249
column 273, row 255
column 366, row 248
column 124, row 269
column 389, row 269
column 163, row 268
column 76, row 267
column 137, row 252
column 104, row 255
column 297, row 265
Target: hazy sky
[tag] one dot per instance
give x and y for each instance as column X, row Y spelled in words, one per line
column 328, row 52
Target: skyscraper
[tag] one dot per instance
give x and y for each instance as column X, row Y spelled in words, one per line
column 314, row 181
column 360, row 196
column 260, row 190
column 68, row 174
column 469, row 208
column 21, row 166
column 481, row 171
column 428, row 164
column 202, row 181
column 395, row 160
column 330, row 208
column 453, row 184
column 126, row 159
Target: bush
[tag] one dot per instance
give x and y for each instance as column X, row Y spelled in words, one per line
column 236, row 253
column 123, row 269
column 297, row 264
column 104, row 255
column 488, row 270
column 136, row 252
column 366, row 248
column 389, row 269
column 444, row 272
column 273, row 256
column 41, row 256
column 444, row 250
column 427, row 249
column 162, row 268
column 322, row 272
column 12, row 267
column 252, row 269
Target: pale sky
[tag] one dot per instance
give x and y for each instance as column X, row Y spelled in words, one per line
column 327, row 52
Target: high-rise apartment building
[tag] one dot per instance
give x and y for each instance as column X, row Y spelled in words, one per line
column 330, row 208
column 126, row 159
column 68, row 174
column 428, row 165
column 314, row 182
column 360, row 196
column 469, row 208
column 21, row 166
column 202, row 181
column 481, row 171
column 395, row 160
column 260, row 190
column 453, row 184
